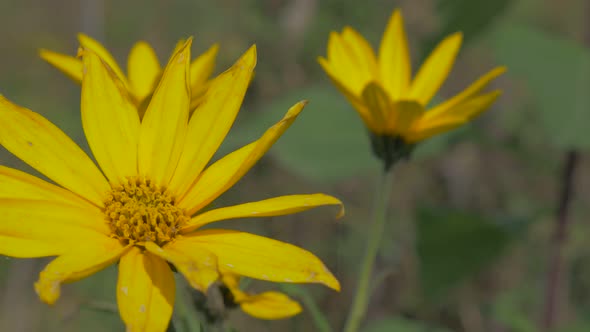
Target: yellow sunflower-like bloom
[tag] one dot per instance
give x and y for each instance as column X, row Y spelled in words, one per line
column 267, row 305
column 143, row 69
column 143, row 206
column 389, row 101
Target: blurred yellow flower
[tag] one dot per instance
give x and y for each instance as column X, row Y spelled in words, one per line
column 267, row 305
column 382, row 91
column 143, row 69
column 145, row 211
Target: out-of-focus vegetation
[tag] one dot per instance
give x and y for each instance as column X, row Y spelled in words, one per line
column 470, row 235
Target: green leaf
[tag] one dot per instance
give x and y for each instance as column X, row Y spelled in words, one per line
column 401, row 325
column 328, row 142
column 452, row 246
column 557, row 74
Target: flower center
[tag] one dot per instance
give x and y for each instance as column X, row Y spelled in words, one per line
column 140, row 211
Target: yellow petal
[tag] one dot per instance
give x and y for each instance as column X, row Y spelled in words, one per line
column 346, row 64
column 202, row 68
column 471, row 91
column 404, row 116
column 469, row 108
column 21, row 247
column 354, row 100
column 164, row 125
column 50, row 227
column 68, row 65
column 198, row 266
column 110, row 120
column 104, row 54
column 20, row 185
column 394, row 58
column 361, row 53
column 262, row 258
column 338, row 59
column 211, row 122
column 88, row 258
column 143, row 69
column 336, row 53
column 379, row 106
column 145, row 292
column 277, row 206
column 427, row 129
column 270, row 305
column 198, row 95
column 224, row 173
column 435, row 69
column 39, row 143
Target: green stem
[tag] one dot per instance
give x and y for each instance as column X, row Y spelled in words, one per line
column 319, row 319
column 187, row 318
column 363, row 291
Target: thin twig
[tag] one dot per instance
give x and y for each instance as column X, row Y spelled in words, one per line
column 556, row 264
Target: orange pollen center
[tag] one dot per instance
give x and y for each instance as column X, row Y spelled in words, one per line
column 140, row 211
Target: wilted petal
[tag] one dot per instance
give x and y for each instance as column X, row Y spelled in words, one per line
column 267, row 305
column 88, row 258
column 270, row 305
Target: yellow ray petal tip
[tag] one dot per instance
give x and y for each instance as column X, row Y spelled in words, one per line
column 48, row 292
column 500, row 70
column 456, row 37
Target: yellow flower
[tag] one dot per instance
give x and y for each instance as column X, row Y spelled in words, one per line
column 381, row 90
column 267, row 305
column 146, row 210
column 143, row 69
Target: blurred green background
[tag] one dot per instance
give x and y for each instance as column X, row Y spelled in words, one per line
column 473, row 217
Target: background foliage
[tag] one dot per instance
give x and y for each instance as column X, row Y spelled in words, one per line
column 473, row 213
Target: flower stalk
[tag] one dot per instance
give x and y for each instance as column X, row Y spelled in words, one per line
column 363, row 291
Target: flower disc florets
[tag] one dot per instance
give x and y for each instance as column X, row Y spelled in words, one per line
column 140, row 211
